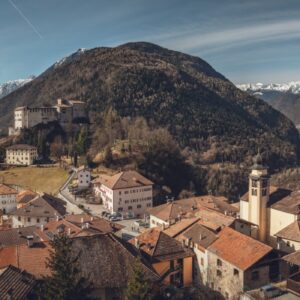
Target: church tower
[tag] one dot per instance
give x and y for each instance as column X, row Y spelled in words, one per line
column 259, row 189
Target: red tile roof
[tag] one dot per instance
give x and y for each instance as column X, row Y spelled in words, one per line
column 6, row 190
column 238, row 249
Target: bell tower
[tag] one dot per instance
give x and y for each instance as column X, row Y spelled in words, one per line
column 259, row 188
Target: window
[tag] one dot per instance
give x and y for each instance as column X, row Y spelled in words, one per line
column 139, row 206
column 264, row 183
column 254, row 192
column 255, row 275
column 219, row 273
column 38, row 220
column 264, row 192
column 235, row 272
column 28, row 219
column 19, row 218
column 129, row 207
column 219, row 263
column 120, row 209
column 120, row 193
column 254, row 183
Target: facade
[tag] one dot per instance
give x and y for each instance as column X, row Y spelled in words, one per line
column 21, row 155
column 38, row 211
column 83, row 177
column 128, row 193
column 65, row 111
column 8, row 200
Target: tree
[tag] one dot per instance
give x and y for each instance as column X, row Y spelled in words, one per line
column 65, row 282
column 108, row 156
column 82, row 141
column 138, row 287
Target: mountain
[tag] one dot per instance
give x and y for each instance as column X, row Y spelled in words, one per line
column 283, row 97
column 12, row 85
column 202, row 109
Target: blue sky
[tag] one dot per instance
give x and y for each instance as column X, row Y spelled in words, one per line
column 247, row 41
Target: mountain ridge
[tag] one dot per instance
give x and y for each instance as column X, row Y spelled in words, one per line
column 182, row 93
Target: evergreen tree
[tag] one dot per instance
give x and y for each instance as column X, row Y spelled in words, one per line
column 64, row 282
column 138, row 287
column 108, row 156
column 82, row 141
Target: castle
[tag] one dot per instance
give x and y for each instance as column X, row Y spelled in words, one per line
column 65, row 111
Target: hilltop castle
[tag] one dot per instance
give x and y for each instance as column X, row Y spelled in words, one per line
column 65, row 111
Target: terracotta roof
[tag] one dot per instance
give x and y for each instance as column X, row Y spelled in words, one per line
column 290, row 232
column 21, row 147
column 42, row 206
column 123, row 180
column 77, row 225
column 15, row 236
column 158, row 246
column 16, row 284
column 214, row 219
column 30, row 259
column 199, row 235
column 293, row 258
column 25, row 196
column 6, row 190
column 238, row 249
column 107, row 261
column 288, row 203
column 179, row 227
column 189, row 207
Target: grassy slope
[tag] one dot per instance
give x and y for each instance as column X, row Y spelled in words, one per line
column 47, row 180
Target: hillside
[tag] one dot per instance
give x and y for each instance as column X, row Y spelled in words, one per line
column 10, row 86
column 198, row 105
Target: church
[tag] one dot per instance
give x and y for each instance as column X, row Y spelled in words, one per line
column 268, row 213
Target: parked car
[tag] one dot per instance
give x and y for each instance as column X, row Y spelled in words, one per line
column 116, row 218
column 270, row 291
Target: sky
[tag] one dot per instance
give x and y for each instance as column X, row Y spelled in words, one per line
column 245, row 40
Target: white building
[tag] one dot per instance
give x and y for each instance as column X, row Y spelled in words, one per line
column 8, row 200
column 125, row 192
column 38, row 211
column 273, row 213
column 65, row 111
column 21, row 154
column 83, row 177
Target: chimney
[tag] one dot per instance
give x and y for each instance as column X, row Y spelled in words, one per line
column 200, row 236
column 29, row 240
column 87, row 225
column 81, row 220
column 92, row 218
column 59, row 101
column 57, row 218
column 183, row 243
column 42, row 227
column 69, row 231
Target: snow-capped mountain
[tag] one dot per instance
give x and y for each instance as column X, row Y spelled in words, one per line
column 258, row 88
column 12, row 85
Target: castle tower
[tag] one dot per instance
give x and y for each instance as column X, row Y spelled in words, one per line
column 259, row 189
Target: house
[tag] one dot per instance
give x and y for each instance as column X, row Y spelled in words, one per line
column 168, row 257
column 24, row 197
column 38, row 211
column 8, row 200
column 292, row 261
column 269, row 210
column 16, row 236
column 198, row 238
column 16, row 284
column 83, row 177
column 128, row 193
column 238, row 262
column 21, row 154
column 173, row 211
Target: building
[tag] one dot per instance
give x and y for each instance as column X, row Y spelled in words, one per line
column 172, row 261
column 16, row 236
column 238, row 263
column 83, row 177
column 38, row 211
column 16, row 284
column 272, row 213
column 173, row 211
column 21, row 154
column 128, row 193
column 64, row 112
column 24, row 197
column 8, row 200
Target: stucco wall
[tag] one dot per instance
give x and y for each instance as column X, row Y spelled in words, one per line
column 279, row 220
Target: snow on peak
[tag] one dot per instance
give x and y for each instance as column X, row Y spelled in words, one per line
column 70, row 57
column 290, row 87
column 12, row 85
